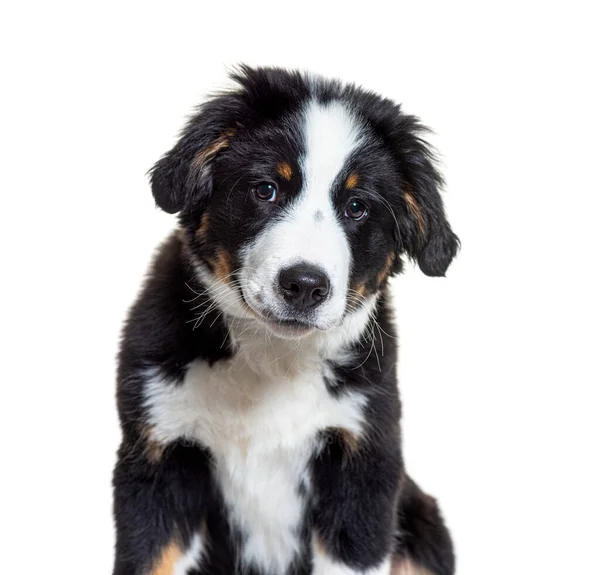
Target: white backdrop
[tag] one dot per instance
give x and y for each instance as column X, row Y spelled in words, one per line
column 498, row 371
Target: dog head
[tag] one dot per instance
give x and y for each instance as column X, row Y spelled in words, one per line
column 298, row 197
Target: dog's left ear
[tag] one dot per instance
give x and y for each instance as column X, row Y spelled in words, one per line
column 429, row 238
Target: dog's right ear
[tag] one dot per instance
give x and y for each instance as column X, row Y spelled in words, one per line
column 183, row 176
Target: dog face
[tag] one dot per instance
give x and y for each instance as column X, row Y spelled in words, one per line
column 298, row 197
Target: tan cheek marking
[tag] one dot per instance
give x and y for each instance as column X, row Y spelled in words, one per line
column 222, row 265
column 211, row 150
column 352, row 181
column 201, row 231
column 165, row 565
column 357, row 295
column 415, row 210
column 285, row 170
column 385, row 272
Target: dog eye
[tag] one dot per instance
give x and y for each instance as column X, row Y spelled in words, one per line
column 265, row 192
column 356, row 210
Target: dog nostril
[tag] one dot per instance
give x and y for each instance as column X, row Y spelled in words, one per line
column 320, row 292
column 304, row 286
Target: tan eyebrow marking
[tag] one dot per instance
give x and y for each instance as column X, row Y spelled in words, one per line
column 415, row 210
column 284, row 170
column 352, row 181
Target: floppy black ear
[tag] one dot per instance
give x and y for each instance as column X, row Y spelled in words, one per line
column 439, row 250
column 429, row 240
column 184, row 175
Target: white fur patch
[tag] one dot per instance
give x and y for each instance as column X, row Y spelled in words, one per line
column 331, row 133
column 260, row 413
column 191, row 558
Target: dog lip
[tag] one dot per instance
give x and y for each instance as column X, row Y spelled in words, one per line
column 294, row 323
column 281, row 322
column 288, row 322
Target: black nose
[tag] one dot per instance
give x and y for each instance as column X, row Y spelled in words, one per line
column 304, row 286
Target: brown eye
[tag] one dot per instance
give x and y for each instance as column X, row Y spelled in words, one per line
column 356, row 210
column 265, row 192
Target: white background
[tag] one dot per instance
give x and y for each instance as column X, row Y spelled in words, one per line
column 498, row 371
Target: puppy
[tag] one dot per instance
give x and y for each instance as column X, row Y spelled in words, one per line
column 257, row 384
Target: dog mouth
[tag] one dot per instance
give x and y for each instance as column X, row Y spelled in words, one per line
column 282, row 325
column 290, row 327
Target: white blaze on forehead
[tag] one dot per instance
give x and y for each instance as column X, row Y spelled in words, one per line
column 311, row 231
column 331, row 133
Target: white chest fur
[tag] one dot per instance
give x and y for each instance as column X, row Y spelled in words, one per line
column 262, row 427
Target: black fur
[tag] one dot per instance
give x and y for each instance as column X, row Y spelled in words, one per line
column 361, row 504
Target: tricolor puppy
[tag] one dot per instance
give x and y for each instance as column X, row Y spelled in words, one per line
column 257, row 373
